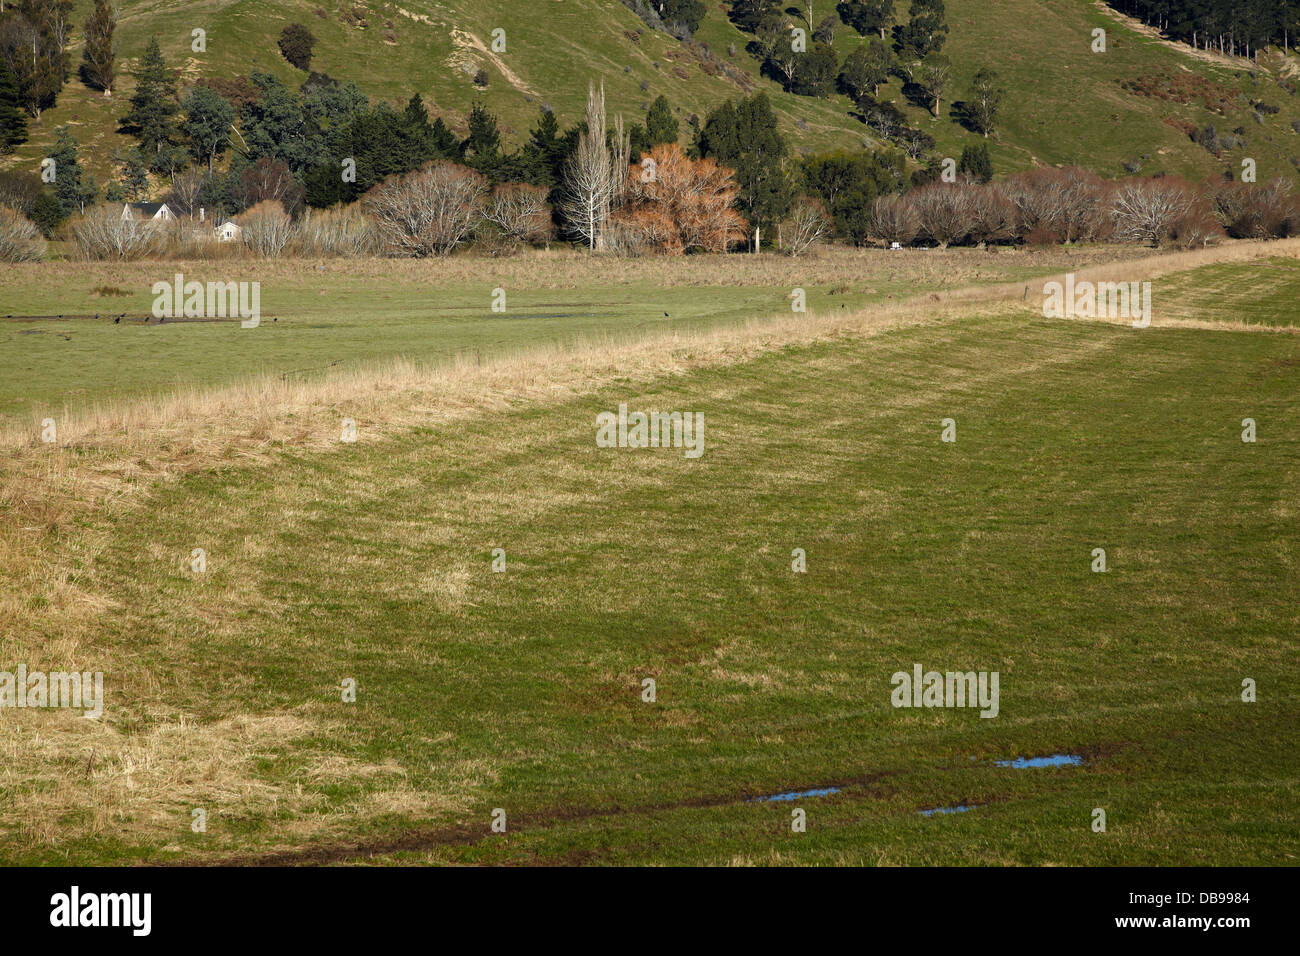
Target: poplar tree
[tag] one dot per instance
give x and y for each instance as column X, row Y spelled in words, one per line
column 98, row 61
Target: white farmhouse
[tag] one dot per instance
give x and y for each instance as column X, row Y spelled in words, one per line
column 228, row 230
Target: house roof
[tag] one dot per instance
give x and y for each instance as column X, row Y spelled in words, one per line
column 148, row 209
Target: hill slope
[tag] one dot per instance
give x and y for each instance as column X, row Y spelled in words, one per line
column 1064, row 104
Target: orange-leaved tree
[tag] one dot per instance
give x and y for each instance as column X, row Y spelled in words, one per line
column 677, row 204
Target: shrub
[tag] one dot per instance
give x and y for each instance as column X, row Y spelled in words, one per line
column 340, row 231
column 266, row 228
column 20, row 190
column 684, row 205
column 20, row 240
column 296, row 44
column 1249, row 211
column 102, row 233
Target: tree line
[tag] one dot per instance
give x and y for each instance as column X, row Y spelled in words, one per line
column 1233, row 27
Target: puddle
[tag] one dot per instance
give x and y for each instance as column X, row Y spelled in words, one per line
column 1055, row 760
column 945, row 810
column 796, row 794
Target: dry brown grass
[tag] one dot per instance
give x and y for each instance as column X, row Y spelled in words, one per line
column 563, row 267
column 58, row 767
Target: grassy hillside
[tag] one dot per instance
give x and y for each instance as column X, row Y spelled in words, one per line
column 1065, row 104
column 553, row 48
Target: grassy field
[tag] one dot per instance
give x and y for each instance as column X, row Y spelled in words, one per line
column 1248, row 295
column 345, row 315
column 522, row 690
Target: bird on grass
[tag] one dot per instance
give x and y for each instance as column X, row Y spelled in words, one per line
column 117, row 320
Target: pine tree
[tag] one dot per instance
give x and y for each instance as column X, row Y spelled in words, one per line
column 13, row 121
column 98, row 61
column 74, row 189
column 153, row 104
column 133, row 181
column 546, row 150
column 417, row 134
column 975, row 161
column 444, row 140
column 483, row 144
column 745, row 137
column 660, row 124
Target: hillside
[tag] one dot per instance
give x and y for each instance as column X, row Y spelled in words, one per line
column 1064, row 103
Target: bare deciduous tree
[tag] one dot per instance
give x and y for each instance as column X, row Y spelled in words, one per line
column 1146, row 210
column 946, row 211
column 894, row 220
column 993, row 215
column 1058, row 205
column 183, row 197
column 270, row 179
column 589, row 181
column 808, row 224
column 429, row 211
column 520, row 211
